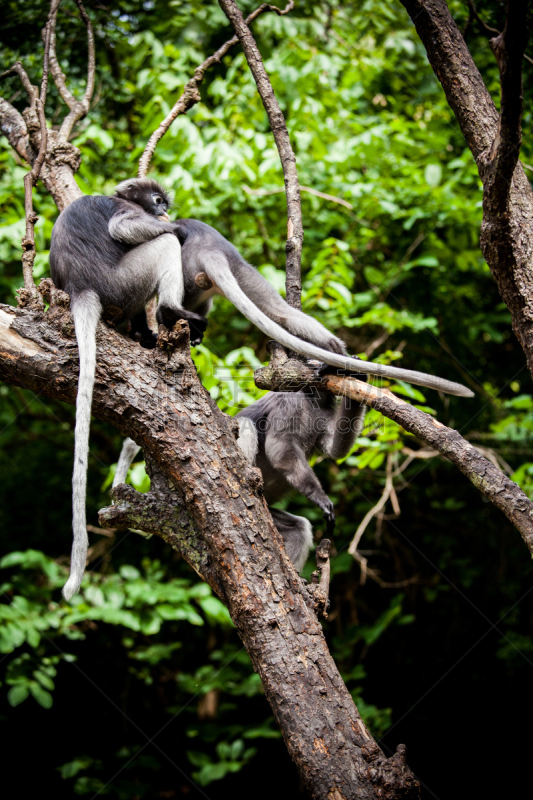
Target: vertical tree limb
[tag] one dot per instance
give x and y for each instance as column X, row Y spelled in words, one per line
column 295, row 232
column 508, row 47
column 506, row 238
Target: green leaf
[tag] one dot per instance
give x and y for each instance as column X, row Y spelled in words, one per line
column 43, row 697
column 17, row 694
column 433, row 174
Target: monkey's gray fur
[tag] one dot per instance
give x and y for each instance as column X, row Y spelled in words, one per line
column 279, row 433
column 120, row 251
column 113, row 251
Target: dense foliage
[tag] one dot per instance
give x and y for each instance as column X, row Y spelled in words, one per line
column 142, row 679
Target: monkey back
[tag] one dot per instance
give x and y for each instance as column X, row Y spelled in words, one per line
column 81, row 247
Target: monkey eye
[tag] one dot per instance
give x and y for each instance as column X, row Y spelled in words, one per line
column 158, row 199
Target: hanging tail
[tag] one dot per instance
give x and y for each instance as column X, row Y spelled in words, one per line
column 86, row 313
column 217, row 268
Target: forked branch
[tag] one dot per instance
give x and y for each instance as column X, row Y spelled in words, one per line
column 36, row 109
column 78, row 108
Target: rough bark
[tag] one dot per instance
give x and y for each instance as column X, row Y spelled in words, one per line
column 206, row 502
column 283, row 375
column 506, row 237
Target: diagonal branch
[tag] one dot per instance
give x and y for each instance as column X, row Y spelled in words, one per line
column 309, row 189
column 290, row 375
column 13, row 127
column 474, row 13
column 295, row 231
column 191, row 95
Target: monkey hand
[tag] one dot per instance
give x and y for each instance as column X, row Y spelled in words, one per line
column 168, row 317
column 197, row 328
column 148, row 340
column 328, row 511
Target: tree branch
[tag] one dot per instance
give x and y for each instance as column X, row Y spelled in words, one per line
column 506, row 238
column 51, row 156
column 191, row 95
column 291, row 375
column 266, row 192
column 13, row 127
column 206, row 501
column 295, row 231
column 474, row 13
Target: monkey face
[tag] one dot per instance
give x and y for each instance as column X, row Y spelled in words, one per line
column 146, row 193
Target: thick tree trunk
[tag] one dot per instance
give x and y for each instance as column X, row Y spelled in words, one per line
column 206, row 502
column 506, row 238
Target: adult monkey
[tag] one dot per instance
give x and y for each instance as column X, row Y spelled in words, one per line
column 113, row 251
column 119, row 251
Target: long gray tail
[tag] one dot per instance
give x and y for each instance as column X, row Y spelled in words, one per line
column 86, row 313
column 219, row 272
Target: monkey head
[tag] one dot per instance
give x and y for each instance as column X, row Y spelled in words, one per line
column 145, row 193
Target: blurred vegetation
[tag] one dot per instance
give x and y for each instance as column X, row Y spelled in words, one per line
column 141, row 688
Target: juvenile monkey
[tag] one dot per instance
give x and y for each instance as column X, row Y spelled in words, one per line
column 278, row 434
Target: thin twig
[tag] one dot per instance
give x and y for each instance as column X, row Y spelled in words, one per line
column 374, row 575
column 19, row 70
column 375, row 510
column 381, row 339
column 474, row 13
column 191, row 95
column 295, row 232
column 308, row 189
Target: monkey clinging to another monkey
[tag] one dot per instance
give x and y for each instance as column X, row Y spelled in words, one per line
column 121, row 251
